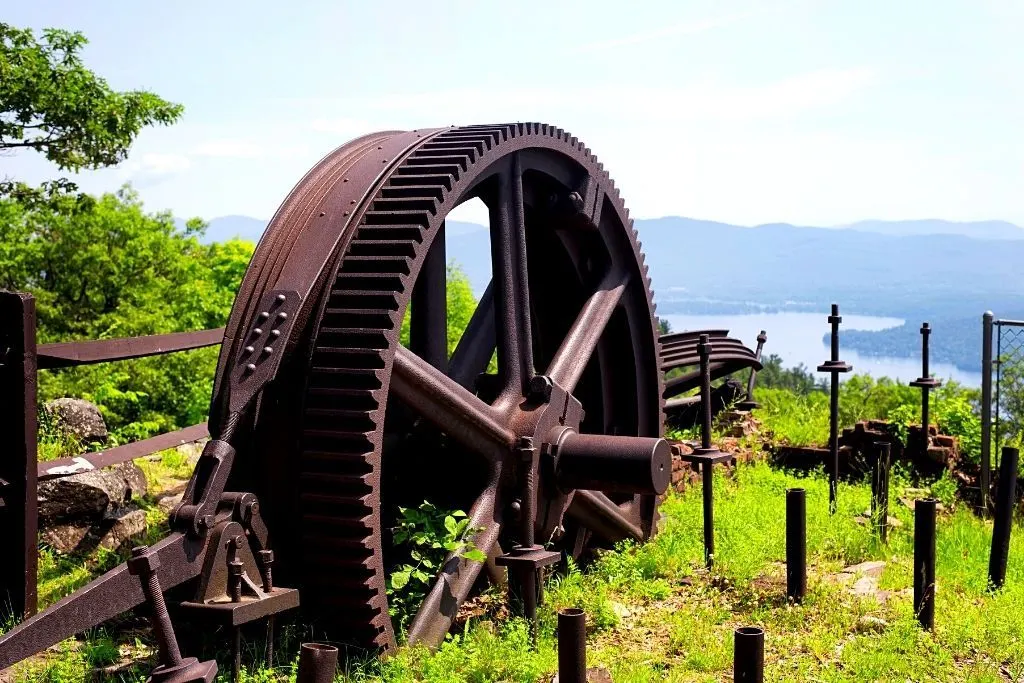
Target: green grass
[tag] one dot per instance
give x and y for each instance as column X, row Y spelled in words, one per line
column 655, row 615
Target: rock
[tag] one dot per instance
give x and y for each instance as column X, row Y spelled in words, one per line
column 873, row 568
column 865, row 586
column 79, row 418
column 89, row 496
column 870, row 624
column 117, row 531
column 620, row 610
column 168, row 503
column 192, row 450
column 64, row 538
column 110, row 533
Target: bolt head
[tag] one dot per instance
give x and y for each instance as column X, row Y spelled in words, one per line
column 576, row 200
column 540, row 389
column 143, row 562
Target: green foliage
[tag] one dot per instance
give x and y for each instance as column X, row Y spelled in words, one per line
column 50, row 103
column 800, row 418
column 799, row 380
column 900, row 418
column 429, row 535
column 108, row 269
column 793, row 418
column 460, row 302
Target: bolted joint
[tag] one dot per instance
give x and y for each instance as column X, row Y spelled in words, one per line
column 142, row 562
column 576, row 201
column 925, row 329
column 704, row 346
column 540, row 389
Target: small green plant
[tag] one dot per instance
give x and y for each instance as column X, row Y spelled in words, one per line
column 956, row 417
column 900, row 418
column 944, row 488
column 429, row 534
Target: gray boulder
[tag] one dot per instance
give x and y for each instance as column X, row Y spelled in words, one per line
column 112, row 533
column 78, row 418
column 90, row 496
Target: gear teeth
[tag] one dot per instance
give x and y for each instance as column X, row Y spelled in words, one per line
column 351, row 356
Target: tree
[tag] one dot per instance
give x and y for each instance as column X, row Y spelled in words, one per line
column 105, row 269
column 52, row 104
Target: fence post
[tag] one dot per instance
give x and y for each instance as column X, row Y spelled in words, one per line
column 986, row 408
column 18, row 516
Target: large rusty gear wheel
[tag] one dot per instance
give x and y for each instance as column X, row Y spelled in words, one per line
column 355, row 424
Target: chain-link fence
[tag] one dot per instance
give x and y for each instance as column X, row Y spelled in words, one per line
column 1009, row 381
column 1002, row 390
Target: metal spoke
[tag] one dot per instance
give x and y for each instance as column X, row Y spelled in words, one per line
column 450, row 407
column 600, row 514
column 428, row 323
column 509, row 273
column 578, row 346
column 475, row 348
column 458, row 575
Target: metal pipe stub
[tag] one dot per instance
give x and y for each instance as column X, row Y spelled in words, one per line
column 613, row 464
column 318, row 663
column 572, row 646
column 748, row 654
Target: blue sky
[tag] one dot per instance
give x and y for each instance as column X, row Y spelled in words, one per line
column 816, row 113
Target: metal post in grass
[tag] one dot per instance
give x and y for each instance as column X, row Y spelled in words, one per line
column 707, row 455
column 924, row 561
column 796, row 544
column 880, row 489
column 986, row 407
column 834, row 367
column 925, row 383
column 572, row 646
column 748, row 654
column 1006, row 496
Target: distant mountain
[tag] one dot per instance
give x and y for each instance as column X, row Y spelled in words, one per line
column 984, row 230
column 701, row 266
column 694, row 262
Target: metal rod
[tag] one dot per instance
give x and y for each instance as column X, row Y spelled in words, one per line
column 796, row 544
column 833, row 444
column 761, row 339
column 1005, row 498
column 986, row 408
column 704, row 350
column 748, row 654
column 18, row 440
column 925, row 333
column 163, row 630
column 318, row 663
column 572, row 646
column 924, row 561
column 708, row 474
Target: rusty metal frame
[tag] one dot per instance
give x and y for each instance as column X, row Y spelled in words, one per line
column 18, row 426
column 20, row 360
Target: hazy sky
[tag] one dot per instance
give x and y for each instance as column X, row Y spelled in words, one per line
column 817, row 113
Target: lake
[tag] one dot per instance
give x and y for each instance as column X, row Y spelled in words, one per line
column 798, row 338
